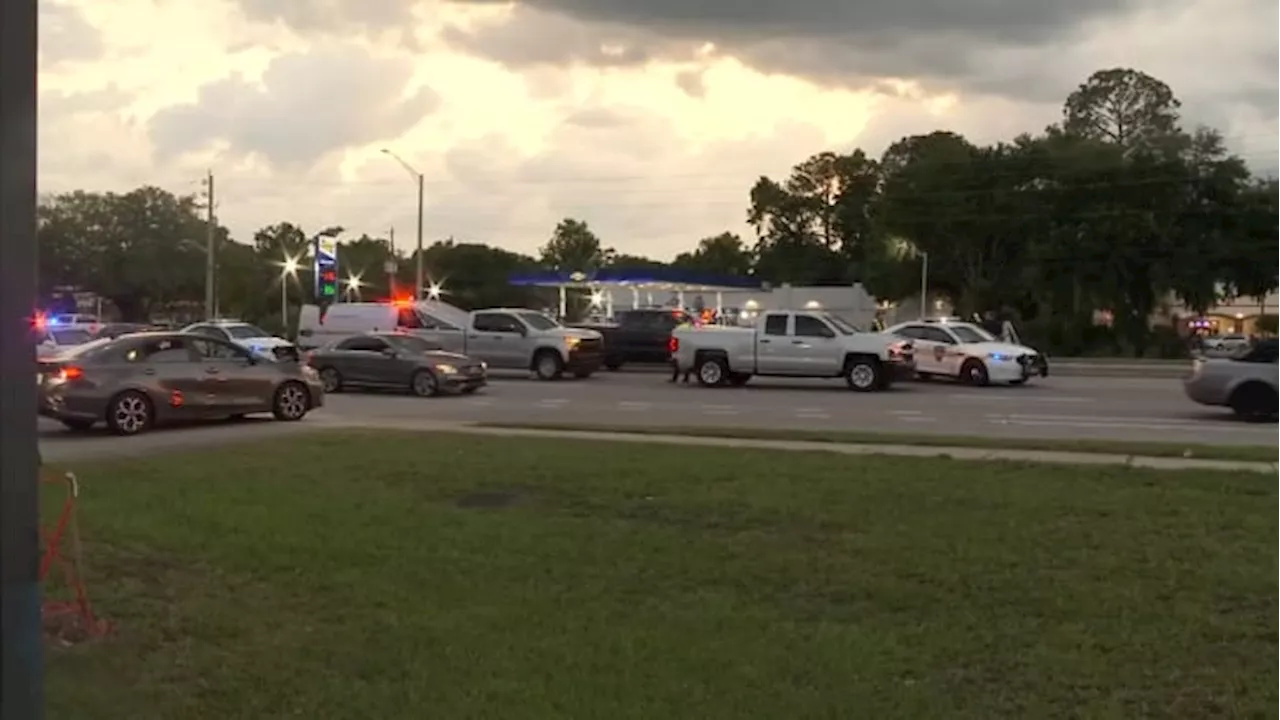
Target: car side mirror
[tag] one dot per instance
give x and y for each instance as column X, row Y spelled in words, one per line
column 390, row 352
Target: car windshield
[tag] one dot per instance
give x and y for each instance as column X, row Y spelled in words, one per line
column 411, row 344
column 241, row 332
column 840, row 325
column 971, row 333
column 538, row 321
column 71, row 336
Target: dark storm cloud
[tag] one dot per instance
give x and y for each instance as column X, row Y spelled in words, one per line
column 834, row 41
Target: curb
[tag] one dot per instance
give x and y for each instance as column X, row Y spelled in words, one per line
column 953, row 453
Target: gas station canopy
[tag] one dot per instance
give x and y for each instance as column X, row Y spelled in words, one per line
column 669, row 279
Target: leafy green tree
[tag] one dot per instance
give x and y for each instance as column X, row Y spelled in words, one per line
column 143, row 250
column 723, row 254
column 575, row 248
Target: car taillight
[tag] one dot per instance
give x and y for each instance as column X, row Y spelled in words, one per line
column 71, row 372
column 673, row 345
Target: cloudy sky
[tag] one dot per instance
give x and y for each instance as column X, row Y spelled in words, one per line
column 649, row 119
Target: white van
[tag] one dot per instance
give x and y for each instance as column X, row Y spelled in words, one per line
column 319, row 327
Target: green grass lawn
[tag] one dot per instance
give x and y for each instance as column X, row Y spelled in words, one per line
column 385, row 575
column 1205, row 451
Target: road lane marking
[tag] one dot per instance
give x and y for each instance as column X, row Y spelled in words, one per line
column 1121, row 424
column 1018, row 398
column 916, row 419
column 632, row 406
column 904, row 413
column 553, row 403
column 719, row 410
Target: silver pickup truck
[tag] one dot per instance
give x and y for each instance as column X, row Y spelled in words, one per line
column 504, row 338
column 793, row 344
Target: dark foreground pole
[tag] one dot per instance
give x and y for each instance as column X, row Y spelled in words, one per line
column 22, row 694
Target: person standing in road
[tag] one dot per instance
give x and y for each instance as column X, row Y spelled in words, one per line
column 675, row 367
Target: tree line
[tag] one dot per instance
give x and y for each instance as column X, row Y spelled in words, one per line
column 1115, row 207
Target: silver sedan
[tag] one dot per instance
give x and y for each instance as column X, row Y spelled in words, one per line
column 1246, row 383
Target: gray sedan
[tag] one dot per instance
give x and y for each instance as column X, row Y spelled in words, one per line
column 1246, row 383
column 396, row 361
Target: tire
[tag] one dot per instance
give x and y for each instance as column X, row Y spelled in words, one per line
column 331, row 379
column 973, row 372
column 130, row 413
column 79, row 424
column 547, row 365
column 291, row 403
column 864, row 374
column 424, row 384
column 1254, row 402
column 712, row 372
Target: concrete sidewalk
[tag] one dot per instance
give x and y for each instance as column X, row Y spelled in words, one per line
column 956, row 453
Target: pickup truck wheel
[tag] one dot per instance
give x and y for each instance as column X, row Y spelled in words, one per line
column 712, row 372
column 547, row 365
column 864, row 374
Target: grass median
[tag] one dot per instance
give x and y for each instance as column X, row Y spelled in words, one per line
column 391, row 575
column 1252, row 453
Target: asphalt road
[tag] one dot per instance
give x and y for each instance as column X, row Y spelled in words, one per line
column 1055, row 407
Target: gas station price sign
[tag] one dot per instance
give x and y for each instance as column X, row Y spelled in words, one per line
column 326, row 269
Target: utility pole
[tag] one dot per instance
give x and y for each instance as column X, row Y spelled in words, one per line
column 22, row 661
column 211, row 230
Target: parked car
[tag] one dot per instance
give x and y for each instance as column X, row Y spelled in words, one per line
column 639, row 336
column 115, row 330
column 1246, row 383
column 969, row 353
column 137, row 381
column 507, row 338
column 793, row 344
column 54, row 340
column 248, row 336
column 396, row 361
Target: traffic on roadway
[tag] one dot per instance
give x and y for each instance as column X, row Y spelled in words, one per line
column 371, row 362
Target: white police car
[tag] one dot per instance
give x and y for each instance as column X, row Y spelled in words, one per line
column 968, row 353
column 248, row 336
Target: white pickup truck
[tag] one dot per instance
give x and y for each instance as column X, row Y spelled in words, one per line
column 793, row 344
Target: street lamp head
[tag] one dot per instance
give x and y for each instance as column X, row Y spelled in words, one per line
column 435, row 290
column 354, row 282
column 289, row 266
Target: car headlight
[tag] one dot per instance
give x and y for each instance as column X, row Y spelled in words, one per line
column 999, row 357
column 484, row 365
column 572, row 342
column 446, row 369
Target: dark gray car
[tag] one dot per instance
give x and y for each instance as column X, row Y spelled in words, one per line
column 396, row 361
column 139, row 380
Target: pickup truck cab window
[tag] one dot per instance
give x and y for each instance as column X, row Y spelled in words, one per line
column 775, row 324
column 407, row 318
column 537, row 321
column 809, row 326
column 496, row 323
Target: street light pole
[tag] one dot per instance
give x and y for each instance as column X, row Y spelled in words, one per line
column 924, row 283
column 420, row 274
